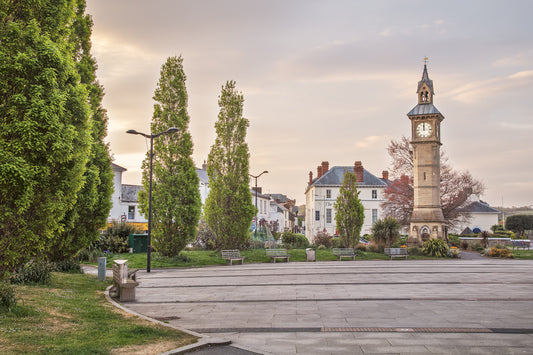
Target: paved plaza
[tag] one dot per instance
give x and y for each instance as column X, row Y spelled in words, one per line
column 448, row 306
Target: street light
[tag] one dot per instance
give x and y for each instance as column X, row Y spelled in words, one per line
column 151, row 136
column 256, row 216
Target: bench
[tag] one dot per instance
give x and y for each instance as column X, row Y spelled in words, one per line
column 277, row 254
column 396, row 252
column 521, row 244
column 344, row 253
column 123, row 284
column 231, row 255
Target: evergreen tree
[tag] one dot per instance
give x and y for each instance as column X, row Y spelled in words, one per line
column 228, row 208
column 176, row 202
column 349, row 211
column 45, row 138
column 83, row 222
column 386, row 231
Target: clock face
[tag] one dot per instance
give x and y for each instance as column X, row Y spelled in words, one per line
column 423, row 130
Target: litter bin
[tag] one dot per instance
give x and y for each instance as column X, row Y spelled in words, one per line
column 310, row 252
column 138, row 243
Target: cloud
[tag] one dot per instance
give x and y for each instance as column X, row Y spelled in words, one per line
column 517, row 126
column 371, row 141
column 476, row 91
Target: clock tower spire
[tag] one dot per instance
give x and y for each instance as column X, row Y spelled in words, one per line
column 427, row 220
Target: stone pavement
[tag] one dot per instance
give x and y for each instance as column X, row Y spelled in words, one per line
column 453, row 306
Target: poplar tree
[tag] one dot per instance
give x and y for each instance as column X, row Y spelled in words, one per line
column 83, row 222
column 349, row 211
column 45, row 138
column 176, row 202
column 228, row 208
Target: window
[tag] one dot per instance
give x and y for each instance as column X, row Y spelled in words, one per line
column 328, row 193
column 374, row 216
column 317, row 215
column 131, row 212
column 374, row 194
column 328, row 215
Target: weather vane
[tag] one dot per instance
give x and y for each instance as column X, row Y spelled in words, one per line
column 426, row 60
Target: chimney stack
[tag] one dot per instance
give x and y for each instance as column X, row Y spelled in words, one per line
column 359, row 172
column 318, row 172
column 310, row 177
column 259, row 190
column 385, row 174
column 325, row 167
column 204, row 165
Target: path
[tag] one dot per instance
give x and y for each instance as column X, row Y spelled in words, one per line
column 399, row 306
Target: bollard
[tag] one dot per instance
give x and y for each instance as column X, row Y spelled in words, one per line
column 101, row 268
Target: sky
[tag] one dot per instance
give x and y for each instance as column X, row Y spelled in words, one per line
column 328, row 81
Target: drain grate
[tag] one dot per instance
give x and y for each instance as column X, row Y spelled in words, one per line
column 407, row 330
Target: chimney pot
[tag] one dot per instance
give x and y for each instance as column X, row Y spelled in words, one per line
column 385, row 174
column 325, row 167
column 310, row 177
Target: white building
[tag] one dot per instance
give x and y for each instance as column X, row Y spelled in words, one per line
column 323, row 190
column 479, row 216
column 280, row 214
column 125, row 200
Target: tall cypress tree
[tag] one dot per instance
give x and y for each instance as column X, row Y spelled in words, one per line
column 45, row 138
column 176, row 202
column 83, row 222
column 349, row 211
column 228, row 208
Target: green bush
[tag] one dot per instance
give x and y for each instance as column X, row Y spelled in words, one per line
column 360, row 247
column 7, row 296
column 116, row 237
column 454, row 240
column 70, row 266
column 375, row 248
column 33, row 272
column 435, row 247
column 323, row 239
column 294, row 241
column 414, row 251
column 336, row 242
column 88, row 255
column 205, row 238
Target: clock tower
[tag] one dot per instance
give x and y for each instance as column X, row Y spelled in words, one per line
column 427, row 220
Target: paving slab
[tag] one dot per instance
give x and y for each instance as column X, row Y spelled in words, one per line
column 402, row 306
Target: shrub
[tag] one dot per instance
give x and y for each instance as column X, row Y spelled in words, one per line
column 336, row 242
column 322, row 247
column 464, row 245
column 499, row 251
column 435, row 247
column 323, row 239
column 70, row 266
column 255, row 244
column 7, row 296
column 205, row 238
column 360, row 247
column 476, row 246
column 454, row 240
column 293, row 240
column 33, row 272
column 454, row 253
column 374, row 248
column 90, row 256
column 116, row 237
column 414, row 251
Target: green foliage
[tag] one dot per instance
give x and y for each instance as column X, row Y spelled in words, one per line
column 349, row 211
column 322, row 238
column 89, row 255
column 293, row 240
column 229, row 209
column 500, row 251
column 386, row 231
column 68, row 265
column 414, row 251
column 47, row 140
column 176, row 203
column 454, row 240
column 435, row 247
column 33, row 272
column 115, row 239
column 205, row 238
column 519, row 223
column 504, row 234
column 7, row 297
column 361, row 247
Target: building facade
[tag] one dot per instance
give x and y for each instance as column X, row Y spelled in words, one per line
column 323, row 190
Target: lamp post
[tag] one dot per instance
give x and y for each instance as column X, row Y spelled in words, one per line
column 257, row 213
column 151, row 136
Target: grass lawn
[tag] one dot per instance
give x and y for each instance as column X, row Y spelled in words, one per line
column 71, row 316
column 522, row 253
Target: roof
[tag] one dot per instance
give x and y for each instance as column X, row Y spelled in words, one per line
column 334, row 177
column 423, row 109
column 117, row 167
column 479, row 207
column 130, row 193
column 425, row 79
column 259, row 195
